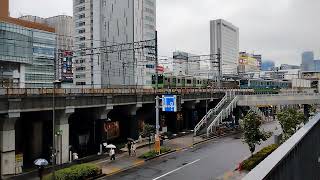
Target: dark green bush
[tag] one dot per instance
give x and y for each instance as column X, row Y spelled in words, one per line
column 153, row 153
column 255, row 159
column 77, row 172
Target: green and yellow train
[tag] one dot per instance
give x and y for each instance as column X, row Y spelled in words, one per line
column 169, row 81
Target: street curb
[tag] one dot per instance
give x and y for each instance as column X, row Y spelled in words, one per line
column 169, row 152
column 124, row 169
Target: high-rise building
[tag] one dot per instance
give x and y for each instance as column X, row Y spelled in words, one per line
column 224, row 40
column 258, row 57
column 247, row 63
column 27, row 53
column 101, row 23
column 83, row 39
column 307, row 61
column 180, row 63
column 64, row 30
column 149, row 29
column 185, row 64
column 149, row 19
column 267, row 65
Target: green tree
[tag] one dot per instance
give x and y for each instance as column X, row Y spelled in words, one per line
column 291, row 120
column 252, row 135
column 148, row 131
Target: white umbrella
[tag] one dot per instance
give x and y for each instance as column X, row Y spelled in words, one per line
column 41, row 162
column 111, row 146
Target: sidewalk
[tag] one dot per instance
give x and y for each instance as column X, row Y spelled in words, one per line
column 124, row 162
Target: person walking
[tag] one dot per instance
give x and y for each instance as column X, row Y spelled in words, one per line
column 112, row 155
column 133, row 149
column 129, row 147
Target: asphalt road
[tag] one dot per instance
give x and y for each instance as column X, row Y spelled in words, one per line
column 205, row 162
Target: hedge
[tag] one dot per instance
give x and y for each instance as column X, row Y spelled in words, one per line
column 255, row 159
column 153, row 153
column 76, row 172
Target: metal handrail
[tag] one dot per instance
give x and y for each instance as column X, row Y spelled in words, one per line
column 209, row 114
column 220, row 104
column 220, row 117
column 217, row 119
column 203, row 120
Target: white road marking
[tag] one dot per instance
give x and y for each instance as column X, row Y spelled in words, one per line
column 176, row 169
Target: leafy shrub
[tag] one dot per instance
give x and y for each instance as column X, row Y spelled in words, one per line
column 255, row 159
column 153, row 153
column 164, row 150
column 77, row 172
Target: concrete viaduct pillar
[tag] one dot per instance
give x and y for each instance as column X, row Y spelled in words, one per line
column 62, row 135
column 102, row 117
column 133, row 121
column 190, row 114
column 7, row 143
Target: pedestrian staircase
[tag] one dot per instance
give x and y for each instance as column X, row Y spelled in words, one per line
column 215, row 116
column 227, row 110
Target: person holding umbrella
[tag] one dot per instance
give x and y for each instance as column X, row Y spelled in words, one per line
column 112, row 153
column 41, row 163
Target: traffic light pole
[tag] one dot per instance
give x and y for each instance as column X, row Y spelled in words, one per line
column 157, row 115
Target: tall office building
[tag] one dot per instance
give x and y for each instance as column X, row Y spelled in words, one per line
column 83, row 39
column 27, row 52
column 149, row 29
column 224, row 39
column 100, row 23
column 64, row 30
column 307, row 61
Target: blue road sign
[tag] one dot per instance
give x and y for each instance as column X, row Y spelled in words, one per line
column 169, row 103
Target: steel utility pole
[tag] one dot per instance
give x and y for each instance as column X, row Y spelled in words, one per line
column 157, row 83
column 53, row 130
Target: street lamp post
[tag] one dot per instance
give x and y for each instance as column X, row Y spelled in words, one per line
column 53, row 156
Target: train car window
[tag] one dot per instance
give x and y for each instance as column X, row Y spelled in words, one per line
column 153, row 79
column 244, row 82
column 160, row 79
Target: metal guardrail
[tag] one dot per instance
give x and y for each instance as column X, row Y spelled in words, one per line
column 297, row 158
column 69, row 91
column 210, row 113
column 223, row 114
column 126, row 90
column 220, row 104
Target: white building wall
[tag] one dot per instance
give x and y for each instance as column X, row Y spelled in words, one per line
column 83, row 39
column 225, row 37
column 114, row 23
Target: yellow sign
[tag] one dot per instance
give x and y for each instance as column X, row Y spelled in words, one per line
column 19, row 160
column 247, row 60
column 157, row 144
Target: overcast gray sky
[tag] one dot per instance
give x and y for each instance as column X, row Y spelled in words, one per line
column 278, row 29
